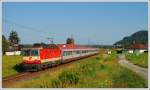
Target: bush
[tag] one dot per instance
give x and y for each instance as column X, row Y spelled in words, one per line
column 18, row 67
column 98, row 58
column 102, row 66
column 65, row 78
column 88, row 69
column 68, row 77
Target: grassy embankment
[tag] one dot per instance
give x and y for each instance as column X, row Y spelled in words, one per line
column 10, row 65
column 94, row 72
column 140, row 60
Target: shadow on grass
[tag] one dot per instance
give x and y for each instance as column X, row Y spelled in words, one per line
column 18, row 68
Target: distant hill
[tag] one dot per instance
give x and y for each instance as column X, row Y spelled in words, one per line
column 138, row 37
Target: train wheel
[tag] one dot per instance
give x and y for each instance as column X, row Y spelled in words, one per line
column 39, row 67
column 49, row 65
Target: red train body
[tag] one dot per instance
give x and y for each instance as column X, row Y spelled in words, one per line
column 41, row 57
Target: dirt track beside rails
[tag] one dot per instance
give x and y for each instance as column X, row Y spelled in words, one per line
column 8, row 82
column 143, row 72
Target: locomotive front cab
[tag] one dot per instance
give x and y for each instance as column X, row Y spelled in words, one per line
column 31, row 56
column 31, row 59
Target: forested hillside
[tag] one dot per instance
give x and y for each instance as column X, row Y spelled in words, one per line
column 138, row 37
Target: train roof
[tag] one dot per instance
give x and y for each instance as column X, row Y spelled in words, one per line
column 60, row 46
column 74, row 47
column 39, row 46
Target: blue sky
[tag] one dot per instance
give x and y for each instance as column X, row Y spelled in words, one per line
column 96, row 23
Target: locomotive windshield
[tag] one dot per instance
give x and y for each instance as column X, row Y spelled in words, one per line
column 30, row 52
column 26, row 52
column 34, row 52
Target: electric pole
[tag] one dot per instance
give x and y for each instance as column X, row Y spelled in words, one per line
column 51, row 40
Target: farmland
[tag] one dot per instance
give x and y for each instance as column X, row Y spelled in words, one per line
column 140, row 60
column 101, row 71
column 10, row 65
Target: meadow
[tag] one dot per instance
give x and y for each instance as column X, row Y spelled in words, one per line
column 101, row 71
column 138, row 59
column 10, row 65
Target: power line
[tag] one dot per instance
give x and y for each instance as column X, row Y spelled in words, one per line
column 42, row 33
column 23, row 26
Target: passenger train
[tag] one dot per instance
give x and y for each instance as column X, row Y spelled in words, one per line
column 40, row 57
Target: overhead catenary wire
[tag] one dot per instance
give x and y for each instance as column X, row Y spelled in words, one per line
column 42, row 32
column 22, row 26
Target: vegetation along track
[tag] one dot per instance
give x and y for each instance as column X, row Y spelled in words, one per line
column 10, row 80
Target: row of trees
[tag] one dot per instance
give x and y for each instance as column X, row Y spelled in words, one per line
column 10, row 42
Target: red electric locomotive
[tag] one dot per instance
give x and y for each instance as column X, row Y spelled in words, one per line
column 41, row 57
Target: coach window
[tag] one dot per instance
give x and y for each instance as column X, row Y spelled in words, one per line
column 82, row 51
column 64, row 53
column 78, row 52
column 69, row 53
column 73, row 52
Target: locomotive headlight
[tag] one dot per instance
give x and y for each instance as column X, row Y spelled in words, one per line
column 31, row 58
column 35, row 58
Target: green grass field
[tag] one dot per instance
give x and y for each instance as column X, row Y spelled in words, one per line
column 141, row 59
column 9, row 65
column 101, row 71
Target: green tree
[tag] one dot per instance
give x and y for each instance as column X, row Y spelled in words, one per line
column 13, row 38
column 70, row 41
column 5, row 44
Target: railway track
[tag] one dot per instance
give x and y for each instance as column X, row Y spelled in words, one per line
column 11, row 80
column 15, row 76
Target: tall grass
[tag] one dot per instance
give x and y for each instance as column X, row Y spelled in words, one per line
column 138, row 59
column 65, row 79
column 128, row 79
